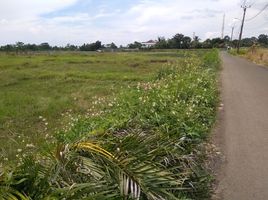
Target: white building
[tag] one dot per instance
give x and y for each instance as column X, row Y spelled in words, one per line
column 149, row 44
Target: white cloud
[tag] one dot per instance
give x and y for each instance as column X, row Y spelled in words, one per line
column 21, row 20
column 3, row 21
column 27, row 9
column 202, row 17
column 212, row 34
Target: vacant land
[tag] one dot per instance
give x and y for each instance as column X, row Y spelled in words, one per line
column 43, row 93
column 147, row 141
column 254, row 54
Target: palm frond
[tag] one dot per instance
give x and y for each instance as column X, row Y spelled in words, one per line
column 134, row 175
column 8, row 189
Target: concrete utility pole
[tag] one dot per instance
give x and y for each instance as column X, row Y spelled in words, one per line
column 232, row 33
column 222, row 29
column 242, row 26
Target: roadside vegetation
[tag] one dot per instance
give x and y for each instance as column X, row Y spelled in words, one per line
column 253, row 49
column 145, row 142
column 258, row 55
column 44, row 92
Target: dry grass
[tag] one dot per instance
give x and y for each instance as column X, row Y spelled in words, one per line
column 258, row 55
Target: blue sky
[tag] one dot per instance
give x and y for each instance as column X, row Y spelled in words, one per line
column 121, row 21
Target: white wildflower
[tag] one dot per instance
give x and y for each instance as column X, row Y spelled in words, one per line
column 30, row 146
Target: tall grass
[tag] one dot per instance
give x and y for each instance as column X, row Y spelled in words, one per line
column 255, row 54
column 143, row 145
column 39, row 91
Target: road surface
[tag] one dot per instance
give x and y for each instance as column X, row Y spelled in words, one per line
column 244, row 130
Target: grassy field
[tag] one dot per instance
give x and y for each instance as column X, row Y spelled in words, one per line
column 142, row 137
column 256, row 55
column 42, row 93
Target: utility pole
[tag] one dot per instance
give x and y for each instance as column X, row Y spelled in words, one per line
column 223, row 24
column 232, row 33
column 245, row 7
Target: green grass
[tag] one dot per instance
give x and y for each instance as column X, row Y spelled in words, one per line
column 40, row 93
column 242, row 51
column 145, row 143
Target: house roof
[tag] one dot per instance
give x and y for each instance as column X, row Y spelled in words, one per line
column 150, row 42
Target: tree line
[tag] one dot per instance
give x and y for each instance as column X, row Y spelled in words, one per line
column 20, row 46
column 178, row 41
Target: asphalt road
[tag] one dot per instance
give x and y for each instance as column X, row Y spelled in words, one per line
column 244, row 130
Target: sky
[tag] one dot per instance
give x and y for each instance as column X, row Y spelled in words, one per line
column 60, row 22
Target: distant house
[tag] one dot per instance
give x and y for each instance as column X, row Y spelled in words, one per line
column 108, row 46
column 149, row 44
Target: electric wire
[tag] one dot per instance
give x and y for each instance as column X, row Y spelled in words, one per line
column 266, row 6
column 253, row 3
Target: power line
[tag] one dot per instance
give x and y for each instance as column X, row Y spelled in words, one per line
column 257, row 26
column 253, row 3
column 266, row 6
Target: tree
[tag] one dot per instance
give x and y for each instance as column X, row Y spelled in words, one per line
column 226, row 38
column 85, row 47
column 234, row 43
column 207, row 44
column 19, row 46
column 179, row 41
column 71, row 47
column 195, row 42
column 247, row 42
column 217, row 43
column 45, row 46
column 176, row 41
column 8, row 48
column 97, row 45
column 186, row 42
column 263, row 39
column 91, row 47
column 254, row 39
column 135, row 45
column 31, row 47
column 113, row 46
column 162, row 43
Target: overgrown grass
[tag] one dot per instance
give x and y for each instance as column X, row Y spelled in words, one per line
column 255, row 54
column 41, row 93
column 145, row 144
column 242, row 51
